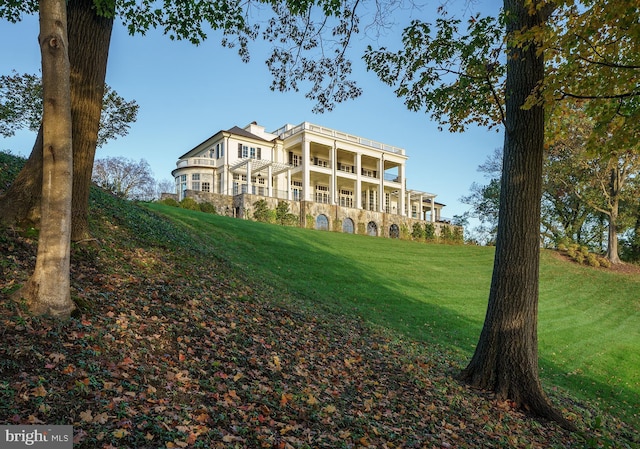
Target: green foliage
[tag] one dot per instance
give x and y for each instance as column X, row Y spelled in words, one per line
column 169, row 202
column 429, row 232
column 284, row 217
column 261, row 212
column 21, row 108
column 418, row 231
column 404, row 231
column 311, row 221
column 10, row 166
column 455, row 73
column 190, row 204
column 208, row 208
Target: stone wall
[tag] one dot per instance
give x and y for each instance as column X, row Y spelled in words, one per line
column 241, row 206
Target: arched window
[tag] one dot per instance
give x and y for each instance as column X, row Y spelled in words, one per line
column 322, row 223
column 372, row 229
column 394, row 231
column 347, row 226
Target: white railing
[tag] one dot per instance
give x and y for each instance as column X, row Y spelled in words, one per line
column 288, row 131
column 195, row 162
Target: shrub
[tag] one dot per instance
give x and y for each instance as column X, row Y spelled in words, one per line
column 404, row 231
column 311, row 221
column 562, row 247
column 170, row 202
column 604, row 262
column 579, row 258
column 208, row 208
column 430, row 231
column 418, row 232
column 261, row 212
column 592, row 260
column 190, row 204
column 283, row 216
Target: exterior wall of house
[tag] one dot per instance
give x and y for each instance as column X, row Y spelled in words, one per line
column 353, row 182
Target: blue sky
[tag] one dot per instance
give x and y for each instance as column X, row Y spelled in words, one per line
column 187, row 93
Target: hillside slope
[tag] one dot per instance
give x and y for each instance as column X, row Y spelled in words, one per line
column 174, row 346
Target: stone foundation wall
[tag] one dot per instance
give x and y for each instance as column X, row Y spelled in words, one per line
column 241, row 206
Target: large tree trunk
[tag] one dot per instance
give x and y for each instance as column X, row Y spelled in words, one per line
column 47, row 291
column 89, row 38
column 506, row 357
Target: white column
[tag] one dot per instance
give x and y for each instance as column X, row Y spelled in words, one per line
column 421, row 214
column 289, row 184
column 381, row 184
column 359, row 180
column 401, row 198
column 269, row 181
column 306, row 178
column 333, row 184
column 433, row 209
column 249, row 177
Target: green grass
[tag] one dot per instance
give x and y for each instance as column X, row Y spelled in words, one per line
column 589, row 320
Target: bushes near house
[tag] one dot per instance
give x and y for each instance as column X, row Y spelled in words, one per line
column 208, row 208
column 190, row 204
column 169, row 202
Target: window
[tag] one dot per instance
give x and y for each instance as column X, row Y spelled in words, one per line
column 394, row 231
column 255, row 153
column 322, row 194
column 294, row 159
column 296, row 190
column 243, row 151
column 347, row 226
column 346, row 198
column 219, row 150
column 195, row 185
column 387, row 203
column 195, row 177
column 206, row 187
column 322, row 223
column 372, row 229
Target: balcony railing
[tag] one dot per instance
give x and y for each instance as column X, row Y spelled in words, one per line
column 196, row 162
column 288, row 131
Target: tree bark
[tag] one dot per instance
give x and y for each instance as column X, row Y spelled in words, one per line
column 89, row 39
column 506, row 357
column 614, row 199
column 47, row 291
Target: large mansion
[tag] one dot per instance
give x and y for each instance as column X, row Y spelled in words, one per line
column 340, row 181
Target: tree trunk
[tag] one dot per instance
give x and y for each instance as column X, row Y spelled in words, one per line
column 614, row 195
column 506, row 357
column 89, row 38
column 47, row 291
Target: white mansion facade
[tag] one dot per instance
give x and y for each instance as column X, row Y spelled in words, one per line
column 328, row 176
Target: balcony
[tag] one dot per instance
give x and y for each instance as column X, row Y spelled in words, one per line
column 288, row 131
column 196, row 162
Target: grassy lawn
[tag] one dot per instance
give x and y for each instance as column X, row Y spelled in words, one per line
column 589, row 319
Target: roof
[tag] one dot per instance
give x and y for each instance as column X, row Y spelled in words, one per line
column 236, row 130
column 244, row 133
